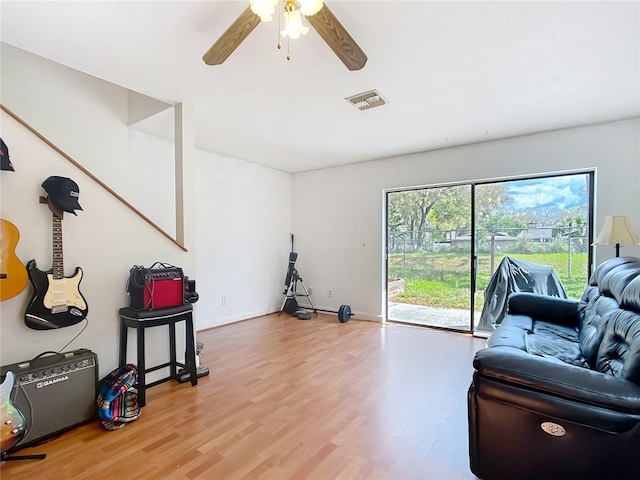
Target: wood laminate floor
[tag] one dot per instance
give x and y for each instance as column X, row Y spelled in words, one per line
column 290, row 399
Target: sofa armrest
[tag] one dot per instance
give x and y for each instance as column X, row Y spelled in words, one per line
column 552, row 377
column 544, row 307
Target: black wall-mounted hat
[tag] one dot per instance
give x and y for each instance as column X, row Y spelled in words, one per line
column 5, row 163
column 63, row 192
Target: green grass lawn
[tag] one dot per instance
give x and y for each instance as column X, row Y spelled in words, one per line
column 443, row 280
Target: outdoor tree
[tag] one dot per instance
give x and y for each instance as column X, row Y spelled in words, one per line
column 491, row 198
column 443, row 209
column 411, row 210
column 510, row 223
column 543, row 216
column 575, row 221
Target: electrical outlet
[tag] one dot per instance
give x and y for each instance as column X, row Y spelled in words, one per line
column 224, row 299
column 310, row 290
column 330, row 293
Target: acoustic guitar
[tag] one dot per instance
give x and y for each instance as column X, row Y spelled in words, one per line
column 56, row 301
column 13, row 275
column 13, row 427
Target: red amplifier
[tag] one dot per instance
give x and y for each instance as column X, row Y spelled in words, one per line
column 152, row 288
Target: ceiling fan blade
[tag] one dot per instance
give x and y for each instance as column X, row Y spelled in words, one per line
column 343, row 45
column 229, row 41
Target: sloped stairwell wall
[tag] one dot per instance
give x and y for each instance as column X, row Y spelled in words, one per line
column 237, row 217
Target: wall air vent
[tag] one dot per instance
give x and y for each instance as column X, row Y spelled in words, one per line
column 367, row 100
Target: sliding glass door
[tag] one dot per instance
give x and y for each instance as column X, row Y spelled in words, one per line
column 531, row 235
column 452, row 250
column 429, row 257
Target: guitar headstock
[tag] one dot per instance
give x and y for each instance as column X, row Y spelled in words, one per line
column 55, row 210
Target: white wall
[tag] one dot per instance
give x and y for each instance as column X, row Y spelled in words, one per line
column 88, row 118
column 243, row 220
column 149, row 179
column 84, row 116
column 338, row 212
column 238, row 217
column 105, row 240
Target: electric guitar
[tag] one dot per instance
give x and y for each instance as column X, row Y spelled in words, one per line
column 57, row 301
column 13, row 275
column 13, row 423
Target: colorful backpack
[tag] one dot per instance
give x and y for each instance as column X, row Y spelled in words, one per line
column 117, row 399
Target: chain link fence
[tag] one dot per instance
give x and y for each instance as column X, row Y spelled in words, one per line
column 423, row 254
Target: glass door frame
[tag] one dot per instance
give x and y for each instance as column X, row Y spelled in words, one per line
column 472, row 265
column 591, row 176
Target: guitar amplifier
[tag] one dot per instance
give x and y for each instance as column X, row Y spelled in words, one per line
column 151, row 288
column 54, row 392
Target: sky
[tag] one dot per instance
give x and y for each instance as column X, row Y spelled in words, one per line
column 559, row 192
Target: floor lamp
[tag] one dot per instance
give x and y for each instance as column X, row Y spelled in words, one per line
column 617, row 231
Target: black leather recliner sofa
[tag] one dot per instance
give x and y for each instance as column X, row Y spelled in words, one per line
column 556, row 393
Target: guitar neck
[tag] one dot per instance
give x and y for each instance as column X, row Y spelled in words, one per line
column 58, row 263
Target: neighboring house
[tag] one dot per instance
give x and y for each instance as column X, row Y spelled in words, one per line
column 539, row 234
column 495, row 239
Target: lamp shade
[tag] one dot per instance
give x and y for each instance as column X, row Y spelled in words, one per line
column 293, row 25
column 310, row 7
column 264, row 9
column 617, row 231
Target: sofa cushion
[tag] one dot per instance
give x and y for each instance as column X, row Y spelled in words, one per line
column 596, row 310
column 512, row 332
column 605, row 267
column 630, row 298
column 599, row 301
column 619, row 353
column 556, row 341
column 615, row 282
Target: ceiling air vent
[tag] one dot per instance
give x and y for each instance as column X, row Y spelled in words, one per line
column 367, row 100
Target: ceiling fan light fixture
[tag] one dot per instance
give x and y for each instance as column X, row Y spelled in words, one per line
column 310, row 7
column 264, row 9
column 293, row 24
column 319, row 17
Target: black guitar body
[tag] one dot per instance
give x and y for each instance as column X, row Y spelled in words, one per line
column 56, row 302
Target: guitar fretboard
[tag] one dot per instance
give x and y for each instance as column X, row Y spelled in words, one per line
column 58, row 264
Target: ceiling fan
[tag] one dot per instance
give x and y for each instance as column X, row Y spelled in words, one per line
column 315, row 11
